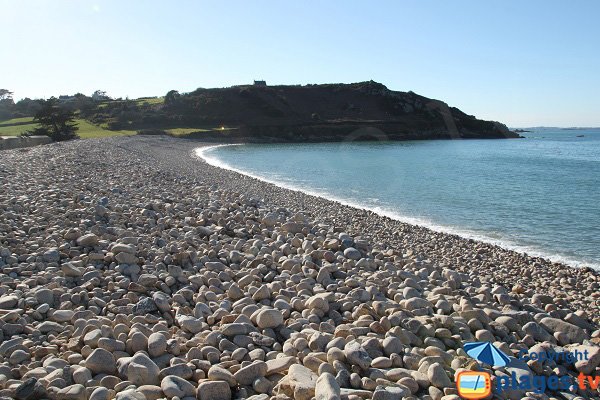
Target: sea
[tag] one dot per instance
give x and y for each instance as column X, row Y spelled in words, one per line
column 538, row 195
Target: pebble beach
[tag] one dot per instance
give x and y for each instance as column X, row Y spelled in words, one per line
column 131, row 269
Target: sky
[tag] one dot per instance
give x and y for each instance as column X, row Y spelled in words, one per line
column 524, row 63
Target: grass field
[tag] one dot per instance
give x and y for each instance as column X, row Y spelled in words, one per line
column 87, row 130
column 16, row 126
column 149, row 100
column 139, row 102
column 17, row 121
column 185, row 131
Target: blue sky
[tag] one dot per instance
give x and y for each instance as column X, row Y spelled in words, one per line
column 524, row 63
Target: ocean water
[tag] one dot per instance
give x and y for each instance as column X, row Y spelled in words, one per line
column 539, row 195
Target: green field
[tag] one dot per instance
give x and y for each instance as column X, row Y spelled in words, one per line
column 149, row 100
column 87, row 130
column 17, row 121
column 142, row 101
column 16, row 126
column 185, row 131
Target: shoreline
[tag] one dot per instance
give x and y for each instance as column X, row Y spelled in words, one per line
column 448, row 230
column 132, row 269
column 507, row 267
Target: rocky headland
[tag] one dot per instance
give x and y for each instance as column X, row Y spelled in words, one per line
column 328, row 112
column 295, row 113
column 130, row 269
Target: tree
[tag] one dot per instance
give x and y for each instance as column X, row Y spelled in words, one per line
column 100, row 95
column 171, row 98
column 7, row 104
column 86, row 106
column 27, row 107
column 5, row 94
column 55, row 122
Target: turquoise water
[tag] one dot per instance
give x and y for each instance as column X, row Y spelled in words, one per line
column 538, row 195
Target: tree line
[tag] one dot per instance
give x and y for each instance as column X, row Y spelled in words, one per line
column 56, row 116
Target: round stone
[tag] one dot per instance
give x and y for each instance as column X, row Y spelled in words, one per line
column 269, row 318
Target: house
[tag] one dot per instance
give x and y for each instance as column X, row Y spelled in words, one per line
column 260, row 83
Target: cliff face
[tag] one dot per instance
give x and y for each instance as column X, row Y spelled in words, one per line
column 330, row 112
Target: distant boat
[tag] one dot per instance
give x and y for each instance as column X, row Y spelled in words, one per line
column 580, row 136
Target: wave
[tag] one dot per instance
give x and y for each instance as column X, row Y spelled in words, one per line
column 205, row 154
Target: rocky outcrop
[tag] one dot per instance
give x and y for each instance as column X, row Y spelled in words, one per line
column 331, row 112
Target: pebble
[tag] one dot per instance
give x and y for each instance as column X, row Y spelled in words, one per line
column 73, row 392
column 8, row 302
column 302, row 381
column 157, row 344
column 101, row 361
column 589, row 364
column 130, row 394
column 51, row 255
column 352, row 253
column 247, row 375
column 102, row 393
column 390, row 393
column 151, row 392
column 174, row 386
column 88, row 240
column 71, row 271
column 214, row 390
column 188, row 287
column 280, row 364
column 269, row 319
column 357, row 355
column 574, row 333
column 62, row 315
column 30, row 389
column 216, row 373
column 327, row 388
column 139, row 369
column 437, row 376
